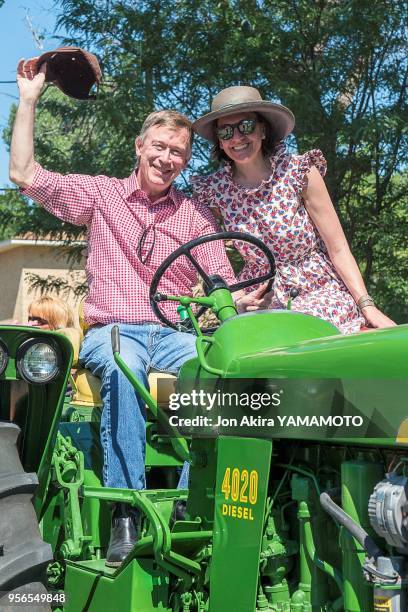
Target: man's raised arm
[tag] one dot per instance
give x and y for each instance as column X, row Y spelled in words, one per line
column 22, row 167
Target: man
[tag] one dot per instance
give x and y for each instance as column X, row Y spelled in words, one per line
column 133, row 224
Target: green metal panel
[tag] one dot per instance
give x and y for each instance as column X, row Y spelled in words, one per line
column 362, row 374
column 43, row 408
column 241, row 487
column 159, row 450
column 140, row 587
column 358, row 481
column 202, row 477
column 293, row 344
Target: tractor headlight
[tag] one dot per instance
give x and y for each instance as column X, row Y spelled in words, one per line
column 3, row 357
column 38, row 361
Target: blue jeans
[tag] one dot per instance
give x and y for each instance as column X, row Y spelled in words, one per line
column 123, row 434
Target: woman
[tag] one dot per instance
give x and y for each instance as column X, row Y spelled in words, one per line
column 282, row 199
column 50, row 313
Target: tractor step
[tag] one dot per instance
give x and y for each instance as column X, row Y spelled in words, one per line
column 140, row 586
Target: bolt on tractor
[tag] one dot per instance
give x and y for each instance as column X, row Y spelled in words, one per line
column 297, row 442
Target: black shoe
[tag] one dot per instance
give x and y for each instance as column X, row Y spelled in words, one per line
column 124, row 533
column 179, row 512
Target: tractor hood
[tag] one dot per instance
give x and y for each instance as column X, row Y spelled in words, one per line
column 289, row 344
column 314, row 369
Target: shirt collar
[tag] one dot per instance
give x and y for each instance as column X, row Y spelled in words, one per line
column 131, row 185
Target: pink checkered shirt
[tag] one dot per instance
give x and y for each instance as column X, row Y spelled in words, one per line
column 116, row 212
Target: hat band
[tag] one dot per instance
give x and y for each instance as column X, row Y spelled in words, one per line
column 234, row 104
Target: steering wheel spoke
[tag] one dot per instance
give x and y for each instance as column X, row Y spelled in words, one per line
column 186, row 251
column 199, row 269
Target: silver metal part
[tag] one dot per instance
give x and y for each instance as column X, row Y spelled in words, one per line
column 388, row 511
column 391, row 568
column 392, row 600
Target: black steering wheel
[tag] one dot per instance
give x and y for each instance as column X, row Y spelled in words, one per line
column 211, row 282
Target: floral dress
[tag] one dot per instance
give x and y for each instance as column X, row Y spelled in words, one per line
column 275, row 212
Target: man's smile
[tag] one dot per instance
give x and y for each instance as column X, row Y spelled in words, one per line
column 163, row 171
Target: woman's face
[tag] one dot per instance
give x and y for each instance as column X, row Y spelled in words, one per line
column 242, row 148
column 37, row 321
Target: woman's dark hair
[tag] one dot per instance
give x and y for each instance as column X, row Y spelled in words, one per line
column 268, row 143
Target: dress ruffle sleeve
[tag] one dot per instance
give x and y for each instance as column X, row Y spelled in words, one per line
column 311, row 158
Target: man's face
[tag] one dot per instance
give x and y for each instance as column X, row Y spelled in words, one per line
column 163, row 154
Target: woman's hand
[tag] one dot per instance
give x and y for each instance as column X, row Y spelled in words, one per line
column 375, row 318
column 256, row 300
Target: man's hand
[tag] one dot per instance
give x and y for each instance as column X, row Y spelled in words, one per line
column 29, row 83
column 22, row 165
column 256, row 300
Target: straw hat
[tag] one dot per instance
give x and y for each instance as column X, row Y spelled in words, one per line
column 240, row 99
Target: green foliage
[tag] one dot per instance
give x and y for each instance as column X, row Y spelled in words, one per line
column 57, row 285
column 381, row 242
column 340, row 66
column 13, row 213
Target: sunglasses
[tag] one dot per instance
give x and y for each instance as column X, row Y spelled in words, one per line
column 245, row 127
column 146, row 243
column 38, row 320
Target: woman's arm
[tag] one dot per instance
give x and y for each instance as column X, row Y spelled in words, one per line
column 323, row 215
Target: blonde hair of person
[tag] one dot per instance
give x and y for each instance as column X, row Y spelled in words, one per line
column 53, row 310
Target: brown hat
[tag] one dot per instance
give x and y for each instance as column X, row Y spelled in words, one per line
column 240, row 99
column 72, row 69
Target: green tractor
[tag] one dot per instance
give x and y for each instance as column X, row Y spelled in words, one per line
column 297, row 439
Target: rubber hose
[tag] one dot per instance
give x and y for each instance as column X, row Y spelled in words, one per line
column 352, row 527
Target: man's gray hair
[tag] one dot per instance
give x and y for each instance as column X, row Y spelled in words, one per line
column 168, row 118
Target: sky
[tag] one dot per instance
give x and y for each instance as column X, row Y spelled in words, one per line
column 16, row 41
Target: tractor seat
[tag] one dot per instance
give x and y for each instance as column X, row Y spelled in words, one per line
column 86, row 387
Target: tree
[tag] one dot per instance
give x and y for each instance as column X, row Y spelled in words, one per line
column 340, row 67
